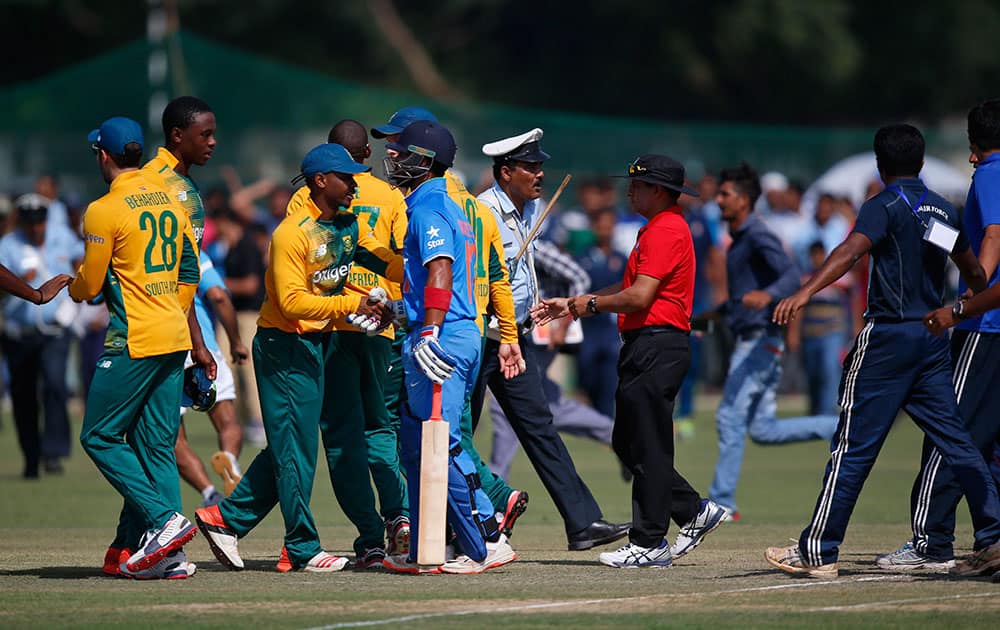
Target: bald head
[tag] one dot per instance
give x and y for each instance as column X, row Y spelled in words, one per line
column 353, row 136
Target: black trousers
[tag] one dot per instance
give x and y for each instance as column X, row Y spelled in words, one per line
column 37, row 365
column 651, row 368
column 522, row 399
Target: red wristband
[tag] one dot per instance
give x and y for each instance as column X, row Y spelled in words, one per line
column 437, row 298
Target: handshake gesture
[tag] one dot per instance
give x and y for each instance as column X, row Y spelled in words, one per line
column 377, row 313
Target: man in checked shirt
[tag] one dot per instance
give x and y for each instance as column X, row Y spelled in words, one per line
column 558, row 274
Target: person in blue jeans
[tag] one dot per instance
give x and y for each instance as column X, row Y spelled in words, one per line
column 821, row 332
column 759, row 274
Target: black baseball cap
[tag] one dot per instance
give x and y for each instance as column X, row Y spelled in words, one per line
column 660, row 170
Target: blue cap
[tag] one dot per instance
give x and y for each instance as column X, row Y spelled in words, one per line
column 401, row 120
column 329, row 158
column 115, row 133
column 427, row 138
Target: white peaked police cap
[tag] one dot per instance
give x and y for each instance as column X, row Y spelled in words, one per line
column 523, row 148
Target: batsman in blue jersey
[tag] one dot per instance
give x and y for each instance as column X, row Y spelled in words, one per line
column 443, row 347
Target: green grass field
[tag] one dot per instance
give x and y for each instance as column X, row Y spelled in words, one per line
column 53, row 534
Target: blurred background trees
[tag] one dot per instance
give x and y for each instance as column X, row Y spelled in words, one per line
column 765, row 61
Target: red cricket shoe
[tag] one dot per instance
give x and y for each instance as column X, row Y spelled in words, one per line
column 113, row 560
column 284, row 563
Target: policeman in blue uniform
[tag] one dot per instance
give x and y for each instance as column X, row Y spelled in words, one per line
column 896, row 364
column 975, row 345
column 513, row 199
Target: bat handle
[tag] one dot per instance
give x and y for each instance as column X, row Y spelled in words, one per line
column 436, row 404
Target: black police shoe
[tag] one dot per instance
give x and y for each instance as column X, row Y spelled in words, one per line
column 598, row 533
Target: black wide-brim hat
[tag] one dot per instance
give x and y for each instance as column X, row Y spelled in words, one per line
column 661, row 171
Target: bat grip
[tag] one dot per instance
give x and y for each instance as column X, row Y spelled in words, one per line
column 436, row 404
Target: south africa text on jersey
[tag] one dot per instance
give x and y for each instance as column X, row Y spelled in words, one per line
column 165, row 287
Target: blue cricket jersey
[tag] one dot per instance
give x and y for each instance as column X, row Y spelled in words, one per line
column 908, row 274
column 209, row 278
column 982, row 209
column 437, row 227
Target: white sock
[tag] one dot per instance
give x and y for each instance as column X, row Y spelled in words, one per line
column 208, row 492
column 236, row 464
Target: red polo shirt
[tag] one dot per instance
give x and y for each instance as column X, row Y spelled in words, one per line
column 665, row 251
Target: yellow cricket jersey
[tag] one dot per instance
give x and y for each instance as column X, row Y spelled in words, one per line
column 381, row 210
column 493, row 293
column 310, row 262
column 160, row 170
column 141, row 254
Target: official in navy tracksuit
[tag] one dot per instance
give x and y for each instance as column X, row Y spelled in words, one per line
column 975, row 348
column 896, row 363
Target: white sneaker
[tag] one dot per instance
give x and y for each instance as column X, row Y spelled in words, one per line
column 174, row 534
column 908, row 558
column 173, row 567
column 324, row 562
column 221, row 538
column 632, row 555
column 497, row 554
column 709, row 517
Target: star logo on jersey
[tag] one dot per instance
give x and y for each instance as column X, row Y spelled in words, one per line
column 433, row 238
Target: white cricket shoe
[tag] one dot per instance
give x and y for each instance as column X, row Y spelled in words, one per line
column 221, row 538
column 709, row 517
column 497, row 554
column 324, row 562
column 632, row 555
column 172, row 567
column 174, row 534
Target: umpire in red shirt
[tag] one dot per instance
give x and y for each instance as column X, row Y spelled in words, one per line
column 654, row 306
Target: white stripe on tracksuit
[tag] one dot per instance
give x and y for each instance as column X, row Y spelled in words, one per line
column 930, row 471
column 814, row 540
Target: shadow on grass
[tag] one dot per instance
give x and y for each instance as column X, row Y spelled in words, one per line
column 57, row 573
column 588, row 562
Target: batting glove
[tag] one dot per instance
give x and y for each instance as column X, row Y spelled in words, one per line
column 373, row 326
column 436, row 364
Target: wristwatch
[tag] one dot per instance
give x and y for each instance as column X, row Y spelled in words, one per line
column 592, row 305
column 958, row 310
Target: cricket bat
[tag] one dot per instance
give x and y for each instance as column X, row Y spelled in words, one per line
column 433, row 487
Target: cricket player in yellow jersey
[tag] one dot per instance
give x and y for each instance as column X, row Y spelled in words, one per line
column 140, row 254
column 310, row 258
column 189, row 129
column 358, row 437
column 189, row 140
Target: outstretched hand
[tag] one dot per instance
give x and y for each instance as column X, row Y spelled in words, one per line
column 549, row 310
column 52, row 287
